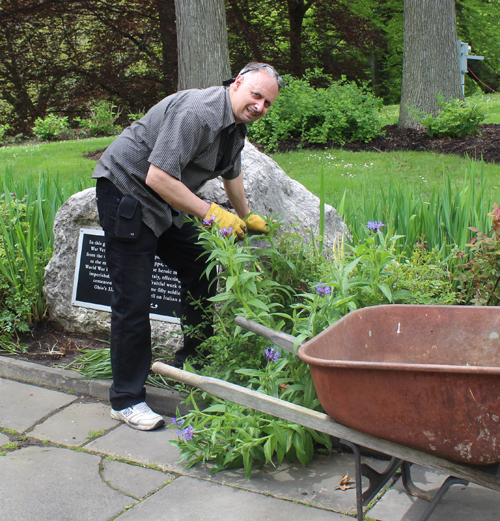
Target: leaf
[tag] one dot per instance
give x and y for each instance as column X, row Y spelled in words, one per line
column 230, row 282
column 298, row 443
column 346, row 482
column 384, row 288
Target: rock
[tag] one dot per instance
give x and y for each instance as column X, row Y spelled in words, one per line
column 269, row 191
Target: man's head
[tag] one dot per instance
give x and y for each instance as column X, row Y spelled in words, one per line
column 253, row 91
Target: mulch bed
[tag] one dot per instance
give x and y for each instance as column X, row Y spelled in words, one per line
column 47, row 346
column 485, row 143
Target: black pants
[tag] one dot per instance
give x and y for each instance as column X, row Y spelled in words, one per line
column 130, row 266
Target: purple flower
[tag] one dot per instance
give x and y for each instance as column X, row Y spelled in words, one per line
column 187, row 433
column 210, row 221
column 375, row 225
column 226, row 232
column 177, row 422
column 323, row 289
column 272, row 354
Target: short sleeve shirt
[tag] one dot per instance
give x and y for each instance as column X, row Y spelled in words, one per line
column 192, row 135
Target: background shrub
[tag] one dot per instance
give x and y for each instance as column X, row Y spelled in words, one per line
column 342, row 111
column 51, row 127
column 102, row 121
column 3, row 131
column 455, row 118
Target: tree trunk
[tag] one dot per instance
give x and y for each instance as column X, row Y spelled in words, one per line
column 168, row 38
column 430, row 58
column 202, row 43
column 296, row 12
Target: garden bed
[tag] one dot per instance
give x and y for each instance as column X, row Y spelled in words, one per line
column 47, row 346
column 486, row 143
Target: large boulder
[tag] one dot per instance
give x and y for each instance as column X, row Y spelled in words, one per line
column 269, row 190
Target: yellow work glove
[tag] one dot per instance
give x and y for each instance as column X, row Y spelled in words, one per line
column 227, row 221
column 256, row 224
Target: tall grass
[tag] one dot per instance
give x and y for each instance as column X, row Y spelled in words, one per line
column 441, row 220
column 27, row 209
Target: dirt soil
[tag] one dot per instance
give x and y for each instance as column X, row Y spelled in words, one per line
column 485, row 143
column 45, row 345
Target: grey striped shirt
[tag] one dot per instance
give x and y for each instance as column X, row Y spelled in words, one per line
column 192, row 135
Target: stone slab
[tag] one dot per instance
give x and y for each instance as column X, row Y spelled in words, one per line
column 459, row 503
column 48, row 484
column 142, row 447
column 315, row 484
column 188, row 498
column 76, row 424
column 3, row 439
column 162, row 401
column 137, row 482
column 22, row 405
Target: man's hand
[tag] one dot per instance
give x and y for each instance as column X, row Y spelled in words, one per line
column 256, row 224
column 226, row 220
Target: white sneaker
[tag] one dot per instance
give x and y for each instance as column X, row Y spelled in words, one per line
column 139, row 417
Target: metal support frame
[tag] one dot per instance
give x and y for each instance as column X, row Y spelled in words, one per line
column 379, row 479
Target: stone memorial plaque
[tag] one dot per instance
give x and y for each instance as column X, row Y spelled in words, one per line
column 92, row 285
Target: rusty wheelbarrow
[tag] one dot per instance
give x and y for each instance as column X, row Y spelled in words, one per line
column 418, row 383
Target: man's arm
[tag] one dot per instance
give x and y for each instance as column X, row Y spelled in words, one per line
column 175, row 193
column 180, row 197
column 235, row 192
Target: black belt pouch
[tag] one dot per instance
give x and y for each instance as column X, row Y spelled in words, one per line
column 128, row 220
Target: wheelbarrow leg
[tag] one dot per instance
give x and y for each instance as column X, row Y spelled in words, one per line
column 449, row 481
column 377, row 479
column 434, row 496
column 357, row 467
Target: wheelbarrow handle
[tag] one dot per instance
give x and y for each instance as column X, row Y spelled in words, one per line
column 323, row 423
column 278, row 338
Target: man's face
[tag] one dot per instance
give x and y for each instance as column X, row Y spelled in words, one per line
column 251, row 96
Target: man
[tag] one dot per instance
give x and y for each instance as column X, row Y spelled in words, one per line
column 146, row 181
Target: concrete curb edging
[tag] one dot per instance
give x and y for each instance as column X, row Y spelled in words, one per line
column 161, row 400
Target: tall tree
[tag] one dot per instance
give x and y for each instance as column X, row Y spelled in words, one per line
column 202, row 43
column 60, row 55
column 430, row 58
column 295, row 35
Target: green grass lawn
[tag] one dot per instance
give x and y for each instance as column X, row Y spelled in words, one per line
column 389, row 114
column 365, row 173
column 64, row 158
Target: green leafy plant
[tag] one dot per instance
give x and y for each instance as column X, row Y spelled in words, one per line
column 479, row 278
column 3, row 131
column 27, row 209
column 51, row 127
column 93, row 363
column 135, row 116
column 342, row 111
column 232, row 435
column 102, row 121
column 455, row 118
column 442, row 218
column 426, row 275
